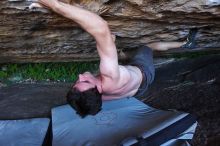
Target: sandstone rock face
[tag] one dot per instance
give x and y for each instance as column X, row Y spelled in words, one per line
column 40, row 35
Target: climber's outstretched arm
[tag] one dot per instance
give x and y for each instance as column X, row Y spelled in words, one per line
column 99, row 29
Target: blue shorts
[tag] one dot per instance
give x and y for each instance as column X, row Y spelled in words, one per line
column 144, row 61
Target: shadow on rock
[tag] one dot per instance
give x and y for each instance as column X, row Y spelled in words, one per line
column 193, row 86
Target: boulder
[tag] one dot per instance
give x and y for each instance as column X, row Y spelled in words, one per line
column 191, row 85
column 40, row 35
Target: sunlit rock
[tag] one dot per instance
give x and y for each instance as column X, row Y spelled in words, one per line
column 39, row 35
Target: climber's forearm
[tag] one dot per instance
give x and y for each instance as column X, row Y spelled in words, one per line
column 89, row 21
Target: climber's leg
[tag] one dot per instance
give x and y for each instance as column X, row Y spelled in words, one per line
column 164, row 46
column 189, row 43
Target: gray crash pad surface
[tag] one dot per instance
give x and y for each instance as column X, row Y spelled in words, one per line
column 118, row 122
column 28, row 132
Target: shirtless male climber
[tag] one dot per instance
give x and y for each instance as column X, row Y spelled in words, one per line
column 114, row 81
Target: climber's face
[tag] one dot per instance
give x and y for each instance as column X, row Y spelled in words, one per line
column 85, row 82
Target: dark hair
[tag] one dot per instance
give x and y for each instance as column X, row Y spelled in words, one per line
column 87, row 102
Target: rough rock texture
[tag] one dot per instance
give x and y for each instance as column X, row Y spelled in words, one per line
column 191, row 86
column 24, row 101
column 40, row 35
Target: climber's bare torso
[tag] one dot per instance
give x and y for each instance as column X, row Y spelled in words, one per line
column 126, row 86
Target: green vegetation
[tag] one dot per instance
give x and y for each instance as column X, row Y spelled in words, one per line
column 45, row 71
column 61, row 72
